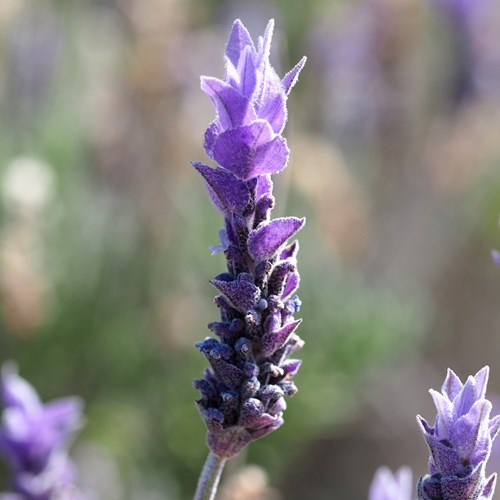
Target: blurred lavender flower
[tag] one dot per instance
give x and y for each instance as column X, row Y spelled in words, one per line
column 388, row 486
column 475, row 27
column 34, row 48
column 362, row 69
column 34, row 438
column 496, row 256
column 460, row 441
column 242, row 393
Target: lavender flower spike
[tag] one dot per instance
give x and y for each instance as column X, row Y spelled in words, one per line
column 242, row 393
column 460, row 441
column 34, row 438
column 386, row 486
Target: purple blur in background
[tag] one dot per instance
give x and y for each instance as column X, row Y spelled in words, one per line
column 389, row 486
column 34, row 438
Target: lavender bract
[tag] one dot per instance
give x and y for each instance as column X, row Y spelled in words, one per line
column 460, row 441
column 34, row 438
column 242, row 393
column 389, row 486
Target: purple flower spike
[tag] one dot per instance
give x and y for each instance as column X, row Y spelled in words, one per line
column 386, row 486
column 242, row 393
column 34, row 438
column 460, row 441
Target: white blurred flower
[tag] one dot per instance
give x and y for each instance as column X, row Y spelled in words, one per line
column 28, row 183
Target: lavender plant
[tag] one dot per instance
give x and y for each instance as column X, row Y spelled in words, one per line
column 34, row 439
column 389, row 486
column 242, row 393
column 460, row 441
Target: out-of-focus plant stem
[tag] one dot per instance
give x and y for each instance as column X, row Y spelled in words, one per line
column 209, row 478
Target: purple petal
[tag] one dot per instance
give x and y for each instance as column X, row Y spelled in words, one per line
column 264, row 421
column 291, row 78
column 489, row 489
column 232, row 108
column 265, row 44
column 241, row 294
column 18, row 392
column 15, row 426
column 452, row 385
column 444, row 409
column 290, row 252
column 446, row 458
column 238, row 40
column 291, row 286
column 251, row 150
column 273, row 109
column 211, row 134
column 481, row 381
column 266, row 240
column 264, row 186
column 270, row 157
column 257, row 434
column 263, row 209
column 279, row 406
column 228, row 193
column 466, row 398
column 247, row 72
column 291, row 366
column 494, row 426
column 275, row 340
column 64, row 414
column 469, row 433
column 251, row 410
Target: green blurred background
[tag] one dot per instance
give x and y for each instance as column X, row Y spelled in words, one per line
column 394, row 130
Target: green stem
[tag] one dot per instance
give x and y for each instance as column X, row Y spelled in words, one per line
column 209, row 478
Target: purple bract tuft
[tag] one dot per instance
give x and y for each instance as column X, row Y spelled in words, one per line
column 460, row 441
column 242, row 393
column 251, row 108
column 34, row 438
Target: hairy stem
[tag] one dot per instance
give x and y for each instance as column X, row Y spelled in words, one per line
column 209, row 478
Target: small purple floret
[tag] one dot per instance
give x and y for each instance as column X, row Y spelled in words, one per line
column 460, row 441
column 34, row 438
column 242, row 393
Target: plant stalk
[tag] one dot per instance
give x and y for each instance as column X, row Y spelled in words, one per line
column 209, row 477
